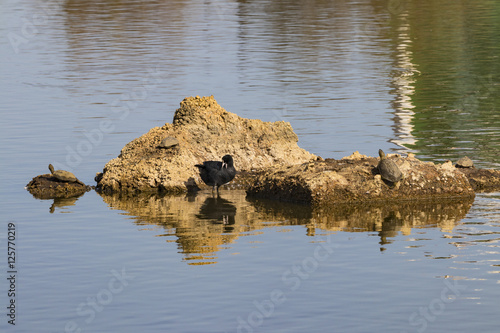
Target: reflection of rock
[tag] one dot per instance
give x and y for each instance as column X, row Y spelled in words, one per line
column 188, row 220
column 362, row 217
column 388, row 219
column 204, row 131
column 324, row 183
column 48, row 187
column 197, row 222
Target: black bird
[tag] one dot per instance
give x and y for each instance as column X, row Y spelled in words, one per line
column 215, row 173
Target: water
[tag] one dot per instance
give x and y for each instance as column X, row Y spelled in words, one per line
column 364, row 75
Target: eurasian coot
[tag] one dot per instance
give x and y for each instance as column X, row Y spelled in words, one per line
column 215, row 173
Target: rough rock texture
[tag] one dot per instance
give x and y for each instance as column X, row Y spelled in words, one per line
column 482, row 179
column 355, row 178
column 205, row 131
column 48, row 187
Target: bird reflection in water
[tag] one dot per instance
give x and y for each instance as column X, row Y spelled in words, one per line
column 218, row 210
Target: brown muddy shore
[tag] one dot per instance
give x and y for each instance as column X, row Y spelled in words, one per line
column 269, row 161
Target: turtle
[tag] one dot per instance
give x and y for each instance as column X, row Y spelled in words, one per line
column 64, row 176
column 464, row 162
column 215, row 173
column 168, row 142
column 388, row 170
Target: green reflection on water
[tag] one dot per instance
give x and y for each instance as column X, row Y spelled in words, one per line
column 455, row 97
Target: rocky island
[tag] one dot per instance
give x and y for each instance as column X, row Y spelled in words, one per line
column 269, row 164
column 356, row 178
column 203, row 131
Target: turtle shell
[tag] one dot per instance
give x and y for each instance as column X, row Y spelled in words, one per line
column 64, row 176
column 465, row 162
column 168, row 142
column 388, row 169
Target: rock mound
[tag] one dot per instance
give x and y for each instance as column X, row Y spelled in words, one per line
column 323, row 183
column 47, row 187
column 204, row 131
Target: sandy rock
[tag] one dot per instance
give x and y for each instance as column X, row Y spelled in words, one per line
column 205, row 131
column 323, row 183
column 354, row 156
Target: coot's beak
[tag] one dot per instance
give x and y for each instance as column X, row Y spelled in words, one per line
column 224, row 164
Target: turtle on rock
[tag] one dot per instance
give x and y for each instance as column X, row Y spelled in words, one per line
column 388, row 170
column 464, row 162
column 64, row 176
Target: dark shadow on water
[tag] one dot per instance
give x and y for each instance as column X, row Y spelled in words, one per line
column 202, row 224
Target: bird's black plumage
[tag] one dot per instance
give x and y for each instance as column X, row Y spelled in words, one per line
column 215, row 173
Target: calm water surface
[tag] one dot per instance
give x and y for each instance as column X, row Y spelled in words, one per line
column 404, row 76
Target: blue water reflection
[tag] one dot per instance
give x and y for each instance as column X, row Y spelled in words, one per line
column 364, row 75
